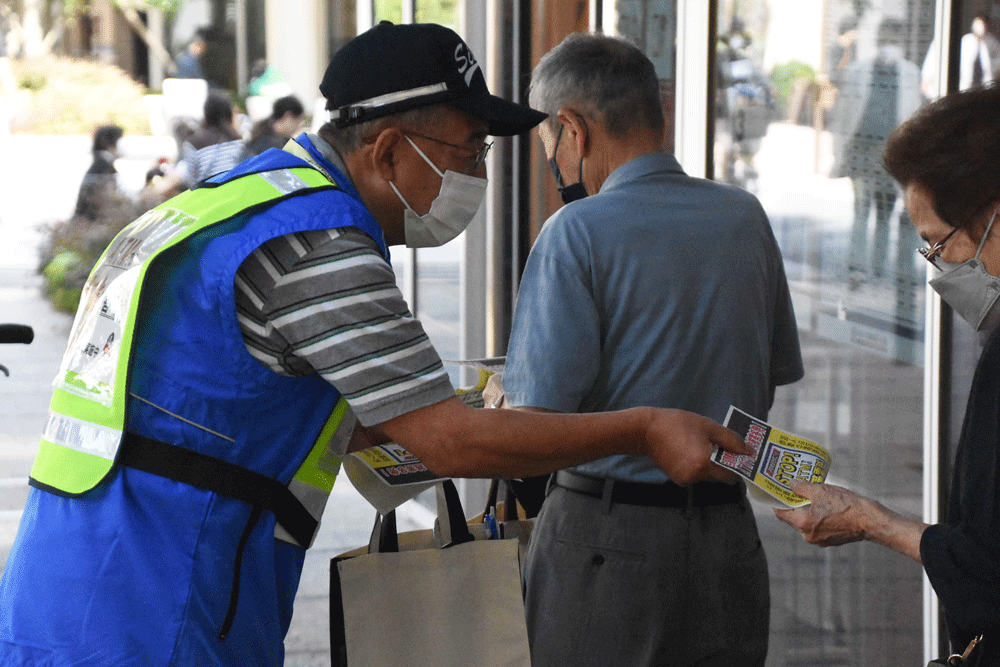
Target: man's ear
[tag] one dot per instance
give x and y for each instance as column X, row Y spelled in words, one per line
column 384, row 153
column 577, row 130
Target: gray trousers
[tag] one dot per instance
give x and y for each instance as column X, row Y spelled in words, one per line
column 634, row 586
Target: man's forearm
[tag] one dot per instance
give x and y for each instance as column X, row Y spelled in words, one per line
column 457, row 441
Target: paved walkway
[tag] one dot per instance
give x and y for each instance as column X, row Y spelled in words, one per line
column 25, row 203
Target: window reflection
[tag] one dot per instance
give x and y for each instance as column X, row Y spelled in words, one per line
column 805, row 97
column 652, row 26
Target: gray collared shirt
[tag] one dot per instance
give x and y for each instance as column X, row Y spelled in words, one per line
column 660, row 290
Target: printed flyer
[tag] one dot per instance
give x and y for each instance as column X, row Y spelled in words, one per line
column 778, row 458
column 388, row 475
column 395, row 465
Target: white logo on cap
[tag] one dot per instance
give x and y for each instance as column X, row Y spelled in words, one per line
column 467, row 64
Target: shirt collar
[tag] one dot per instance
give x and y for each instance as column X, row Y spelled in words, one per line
column 319, row 154
column 644, row 165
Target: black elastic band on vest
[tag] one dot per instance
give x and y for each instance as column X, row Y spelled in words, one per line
column 226, row 479
column 234, row 592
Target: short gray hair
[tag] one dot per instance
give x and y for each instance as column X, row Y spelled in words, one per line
column 348, row 139
column 606, row 77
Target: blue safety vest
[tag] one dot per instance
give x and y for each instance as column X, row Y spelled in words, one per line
column 139, row 569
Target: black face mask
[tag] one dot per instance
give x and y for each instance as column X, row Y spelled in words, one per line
column 572, row 192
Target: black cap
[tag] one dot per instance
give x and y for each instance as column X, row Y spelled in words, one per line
column 394, row 68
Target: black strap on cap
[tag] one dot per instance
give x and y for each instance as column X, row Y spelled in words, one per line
column 226, row 479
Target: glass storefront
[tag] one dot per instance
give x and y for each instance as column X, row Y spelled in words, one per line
column 805, row 96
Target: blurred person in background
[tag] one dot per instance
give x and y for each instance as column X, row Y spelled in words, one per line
column 874, row 96
column 216, row 146
column 100, row 190
column 979, row 55
column 266, row 81
column 274, row 131
column 946, row 158
column 189, row 60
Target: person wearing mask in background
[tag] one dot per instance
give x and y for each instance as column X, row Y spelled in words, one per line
column 196, row 429
column 649, row 287
column 275, row 131
column 100, row 194
column 946, row 158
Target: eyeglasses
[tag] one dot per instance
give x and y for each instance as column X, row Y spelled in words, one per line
column 932, row 253
column 481, row 154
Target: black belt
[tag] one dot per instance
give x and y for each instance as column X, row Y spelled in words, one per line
column 668, row 494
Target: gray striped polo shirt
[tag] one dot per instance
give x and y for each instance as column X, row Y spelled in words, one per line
column 327, row 302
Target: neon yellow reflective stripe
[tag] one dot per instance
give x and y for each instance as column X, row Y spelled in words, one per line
column 314, row 479
column 82, row 435
column 314, row 471
column 229, row 199
column 190, row 212
column 68, row 470
column 98, row 398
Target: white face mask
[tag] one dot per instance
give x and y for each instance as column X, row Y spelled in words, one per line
column 451, row 211
column 969, row 290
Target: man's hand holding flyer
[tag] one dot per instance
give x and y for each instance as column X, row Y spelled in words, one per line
column 779, row 458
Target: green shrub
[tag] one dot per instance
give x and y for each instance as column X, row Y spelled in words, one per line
column 73, row 96
column 32, row 81
column 72, row 248
column 784, row 75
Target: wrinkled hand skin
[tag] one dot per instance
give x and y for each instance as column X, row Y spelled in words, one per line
column 681, row 442
column 836, row 516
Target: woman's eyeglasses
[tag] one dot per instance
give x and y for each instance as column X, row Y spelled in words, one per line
column 932, row 253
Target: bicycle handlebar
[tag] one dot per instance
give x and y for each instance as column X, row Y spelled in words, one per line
column 16, row 333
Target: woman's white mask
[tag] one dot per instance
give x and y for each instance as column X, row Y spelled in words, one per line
column 451, row 211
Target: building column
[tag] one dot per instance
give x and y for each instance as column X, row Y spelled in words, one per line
column 297, row 45
column 157, row 27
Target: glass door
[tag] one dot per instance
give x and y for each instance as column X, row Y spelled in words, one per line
column 805, row 95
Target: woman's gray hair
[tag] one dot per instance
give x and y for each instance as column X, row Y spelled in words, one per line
column 348, row 139
column 605, row 77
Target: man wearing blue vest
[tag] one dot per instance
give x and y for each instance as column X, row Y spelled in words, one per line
column 234, row 342
column 649, row 287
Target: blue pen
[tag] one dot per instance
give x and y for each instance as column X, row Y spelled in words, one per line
column 492, row 529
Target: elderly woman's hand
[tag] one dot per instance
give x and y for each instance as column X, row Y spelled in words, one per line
column 836, row 516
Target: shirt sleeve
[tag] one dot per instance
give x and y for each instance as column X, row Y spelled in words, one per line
column 786, row 354
column 555, row 346
column 327, row 302
column 964, row 573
